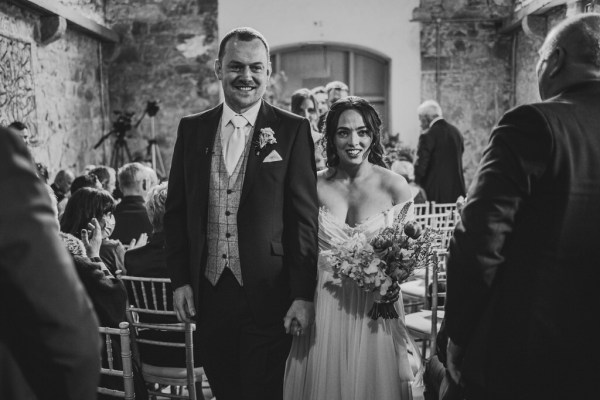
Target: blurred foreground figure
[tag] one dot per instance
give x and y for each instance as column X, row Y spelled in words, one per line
column 49, row 343
column 523, row 268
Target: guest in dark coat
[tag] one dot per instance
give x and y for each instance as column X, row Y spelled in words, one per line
column 523, row 267
column 439, row 168
column 49, row 346
column 149, row 261
column 131, row 219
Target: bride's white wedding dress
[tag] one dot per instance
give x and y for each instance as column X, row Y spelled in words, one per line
column 347, row 355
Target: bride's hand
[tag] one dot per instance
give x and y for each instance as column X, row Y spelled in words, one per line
column 299, row 317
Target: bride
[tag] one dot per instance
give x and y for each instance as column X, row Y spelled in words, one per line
column 346, row 355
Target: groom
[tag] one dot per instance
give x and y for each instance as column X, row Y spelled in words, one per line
column 241, row 226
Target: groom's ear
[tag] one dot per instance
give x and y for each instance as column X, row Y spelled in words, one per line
column 269, row 69
column 218, row 69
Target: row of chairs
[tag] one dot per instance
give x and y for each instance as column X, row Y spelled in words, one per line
column 151, row 297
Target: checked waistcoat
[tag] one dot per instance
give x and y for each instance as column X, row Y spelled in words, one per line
column 224, row 194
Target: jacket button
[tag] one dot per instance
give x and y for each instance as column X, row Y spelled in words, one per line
column 229, row 191
column 224, row 256
column 227, row 213
column 228, row 235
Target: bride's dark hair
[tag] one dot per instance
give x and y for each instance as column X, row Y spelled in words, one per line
column 372, row 123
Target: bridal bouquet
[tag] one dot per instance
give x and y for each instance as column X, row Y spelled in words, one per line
column 381, row 264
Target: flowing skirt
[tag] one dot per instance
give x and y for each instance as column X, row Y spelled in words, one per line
column 347, row 355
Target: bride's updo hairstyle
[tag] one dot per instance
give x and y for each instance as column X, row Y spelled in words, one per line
column 372, row 123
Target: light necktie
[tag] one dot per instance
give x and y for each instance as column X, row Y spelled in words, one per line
column 236, row 143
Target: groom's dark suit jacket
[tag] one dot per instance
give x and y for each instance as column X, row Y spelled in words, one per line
column 277, row 216
column 523, row 271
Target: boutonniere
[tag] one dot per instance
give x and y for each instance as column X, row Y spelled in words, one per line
column 266, row 136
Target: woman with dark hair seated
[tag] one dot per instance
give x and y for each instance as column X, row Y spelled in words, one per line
column 108, row 294
column 87, row 203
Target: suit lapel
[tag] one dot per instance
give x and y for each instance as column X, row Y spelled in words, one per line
column 266, row 119
column 206, row 131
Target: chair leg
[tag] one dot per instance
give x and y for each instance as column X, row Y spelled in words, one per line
column 424, row 349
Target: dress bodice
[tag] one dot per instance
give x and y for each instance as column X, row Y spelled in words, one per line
column 332, row 230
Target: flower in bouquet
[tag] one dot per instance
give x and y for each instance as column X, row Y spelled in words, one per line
column 381, row 264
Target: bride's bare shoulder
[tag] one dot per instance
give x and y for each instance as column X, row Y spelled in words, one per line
column 394, row 184
column 325, row 175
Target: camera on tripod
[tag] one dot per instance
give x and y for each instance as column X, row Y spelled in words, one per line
column 122, row 124
column 152, row 108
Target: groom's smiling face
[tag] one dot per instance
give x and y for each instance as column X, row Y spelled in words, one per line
column 244, row 73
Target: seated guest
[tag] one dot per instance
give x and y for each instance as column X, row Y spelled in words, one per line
column 87, row 180
column 107, row 294
column 131, row 219
column 62, row 184
column 87, row 203
column 21, row 130
column 107, row 177
column 407, row 170
column 149, row 261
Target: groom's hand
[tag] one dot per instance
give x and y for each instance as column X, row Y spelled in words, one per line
column 183, row 301
column 302, row 313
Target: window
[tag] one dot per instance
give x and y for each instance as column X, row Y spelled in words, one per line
column 311, row 65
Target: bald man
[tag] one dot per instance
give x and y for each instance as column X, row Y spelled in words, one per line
column 523, row 269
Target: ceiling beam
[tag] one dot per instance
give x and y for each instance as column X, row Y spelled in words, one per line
column 526, row 8
column 74, row 19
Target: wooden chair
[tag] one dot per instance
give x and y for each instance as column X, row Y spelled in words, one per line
column 109, row 356
column 436, row 221
column 422, row 209
column 150, row 297
column 446, row 208
column 424, row 325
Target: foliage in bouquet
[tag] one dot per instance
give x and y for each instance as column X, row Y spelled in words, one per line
column 381, row 264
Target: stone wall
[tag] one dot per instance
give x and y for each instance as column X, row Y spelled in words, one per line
column 167, row 54
column 64, row 87
column 474, row 81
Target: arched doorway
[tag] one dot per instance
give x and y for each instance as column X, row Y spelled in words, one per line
column 311, row 65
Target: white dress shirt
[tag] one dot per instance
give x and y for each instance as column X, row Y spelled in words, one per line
column 227, row 128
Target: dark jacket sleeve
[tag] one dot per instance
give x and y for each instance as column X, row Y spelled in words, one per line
column 112, row 254
column 175, row 219
column 516, row 157
column 108, row 295
column 302, row 210
column 48, row 322
column 424, row 150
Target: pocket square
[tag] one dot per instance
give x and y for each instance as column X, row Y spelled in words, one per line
column 272, row 157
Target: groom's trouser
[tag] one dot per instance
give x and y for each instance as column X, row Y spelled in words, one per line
column 242, row 361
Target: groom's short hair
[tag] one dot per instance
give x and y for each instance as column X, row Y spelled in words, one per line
column 244, row 34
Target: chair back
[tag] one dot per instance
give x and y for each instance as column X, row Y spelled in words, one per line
column 436, row 221
column 110, row 355
column 422, row 208
column 438, row 276
column 152, row 297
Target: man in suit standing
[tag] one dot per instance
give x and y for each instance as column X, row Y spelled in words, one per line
column 241, row 226
column 49, row 342
column 439, row 168
column 523, row 267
